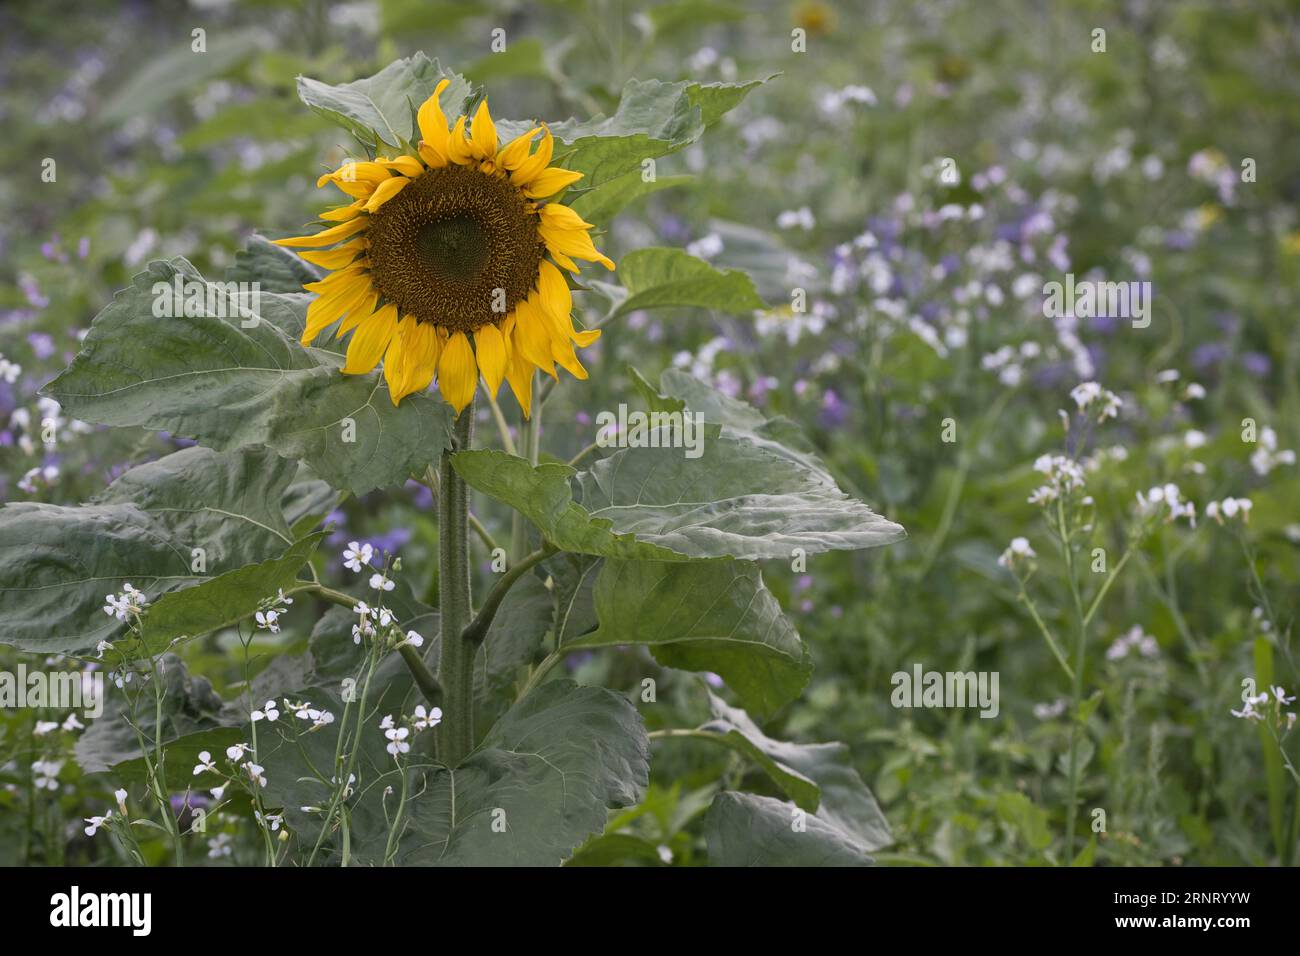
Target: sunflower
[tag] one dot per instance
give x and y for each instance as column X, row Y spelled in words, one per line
column 447, row 264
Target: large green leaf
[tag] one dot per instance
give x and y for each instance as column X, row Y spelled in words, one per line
column 553, row 766
column 546, row 774
column 209, row 378
column 744, row 829
column 740, row 419
column 659, row 278
column 735, row 500
column 653, row 119
column 842, row 820
column 705, row 616
column 384, row 105
column 57, row 562
column 511, row 644
column 225, row 599
column 600, row 205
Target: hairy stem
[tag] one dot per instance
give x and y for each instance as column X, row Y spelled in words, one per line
column 456, row 667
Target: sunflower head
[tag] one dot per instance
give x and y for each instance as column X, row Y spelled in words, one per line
column 447, row 264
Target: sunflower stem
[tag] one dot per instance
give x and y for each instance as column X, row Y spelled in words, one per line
column 456, row 666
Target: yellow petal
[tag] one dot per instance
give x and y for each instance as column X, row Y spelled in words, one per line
column 511, row 156
column 351, row 172
column 320, row 313
column 491, row 351
column 554, row 296
column 406, row 165
column 339, row 256
column 433, row 125
column 583, row 339
column 432, row 158
column 564, row 261
column 423, row 348
column 562, row 352
column 532, row 337
column 459, row 150
column 370, row 340
column 484, row 132
column 395, row 360
column 344, row 213
column 336, row 280
column 556, row 216
column 533, row 166
column 550, row 182
column 386, row 191
column 457, row 372
column 328, row 237
column 359, row 309
column 574, row 243
column 519, row 373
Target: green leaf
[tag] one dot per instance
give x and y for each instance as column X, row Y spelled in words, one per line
column 512, row 643
column 735, row 500
column 224, row 600
column 653, row 119
column 272, row 267
column 207, row 377
column 57, row 562
column 384, row 105
column 743, row 829
column 847, row 823
column 740, row 419
column 600, row 205
column 574, row 577
column 660, row 278
column 706, row 616
column 549, row 770
column 555, row 764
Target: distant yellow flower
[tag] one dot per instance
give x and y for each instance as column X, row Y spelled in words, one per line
column 440, row 267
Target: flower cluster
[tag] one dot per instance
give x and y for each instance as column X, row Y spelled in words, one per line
column 1091, row 399
column 1262, row 706
column 1267, row 457
column 1228, row 509
column 1134, row 640
column 398, row 734
column 130, row 603
column 269, row 614
column 1063, row 475
column 1017, row 553
column 1167, row 500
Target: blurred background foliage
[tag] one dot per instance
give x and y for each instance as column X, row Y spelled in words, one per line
column 1124, row 164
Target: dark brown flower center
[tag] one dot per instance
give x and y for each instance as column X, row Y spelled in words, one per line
column 457, row 248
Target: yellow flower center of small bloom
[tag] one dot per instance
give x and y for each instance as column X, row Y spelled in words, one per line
column 457, row 248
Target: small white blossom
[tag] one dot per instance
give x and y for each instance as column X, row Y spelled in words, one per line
column 357, row 555
column 205, row 762
column 96, row 823
column 397, row 744
column 268, row 712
